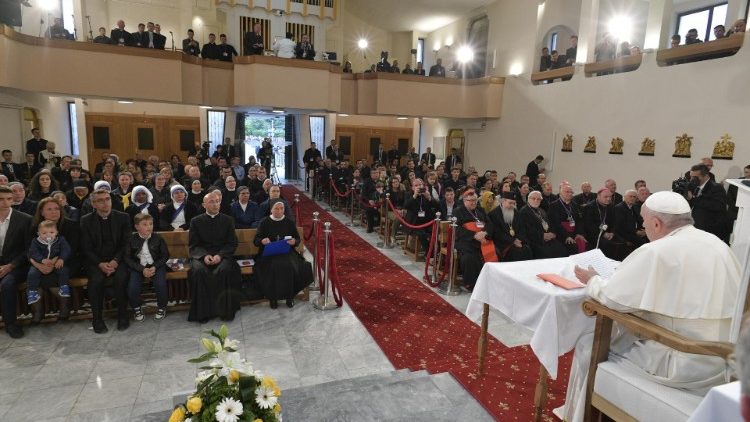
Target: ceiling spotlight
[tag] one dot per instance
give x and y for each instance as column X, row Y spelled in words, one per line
column 125, row 101
column 278, row 110
column 205, row 107
column 402, row 118
column 362, row 43
column 343, row 115
column 465, row 54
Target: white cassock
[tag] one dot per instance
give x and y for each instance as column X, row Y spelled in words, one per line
column 686, row 282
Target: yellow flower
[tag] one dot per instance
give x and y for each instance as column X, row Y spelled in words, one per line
column 276, row 392
column 258, row 420
column 234, row 376
column 194, row 405
column 268, row 382
column 277, row 408
column 178, row 414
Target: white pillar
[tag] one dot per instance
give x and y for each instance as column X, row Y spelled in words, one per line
column 736, row 10
column 657, row 27
column 330, row 129
column 587, row 31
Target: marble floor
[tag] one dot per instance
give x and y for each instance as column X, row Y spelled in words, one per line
column 65, row 372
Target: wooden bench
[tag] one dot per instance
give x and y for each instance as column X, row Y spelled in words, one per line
column 178, row 293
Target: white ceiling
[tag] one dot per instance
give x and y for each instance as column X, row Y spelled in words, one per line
column 412, row 15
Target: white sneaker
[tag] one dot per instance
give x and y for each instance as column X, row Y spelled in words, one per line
column 160, row 314
column 138, row 314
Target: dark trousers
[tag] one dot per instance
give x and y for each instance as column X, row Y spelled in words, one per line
column 98, row 281
column 8, row 288
column 471, row 265
column 135, row 283
column 34, row 278
column 373, row 216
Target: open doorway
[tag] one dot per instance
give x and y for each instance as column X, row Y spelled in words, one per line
column 259, row 127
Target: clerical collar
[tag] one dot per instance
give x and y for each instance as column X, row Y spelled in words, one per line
column 276, row 218
column 105, row 217
column 212, row 215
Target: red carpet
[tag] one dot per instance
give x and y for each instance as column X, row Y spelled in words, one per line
column 417, row 329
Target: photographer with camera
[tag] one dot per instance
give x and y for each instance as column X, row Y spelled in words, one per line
column 421, row 208
column 265, row 155
column 708, row 200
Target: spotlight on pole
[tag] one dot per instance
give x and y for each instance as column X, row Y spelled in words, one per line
column 465, row 54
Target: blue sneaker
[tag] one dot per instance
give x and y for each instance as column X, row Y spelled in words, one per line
column 32, row 296
column 64, row 290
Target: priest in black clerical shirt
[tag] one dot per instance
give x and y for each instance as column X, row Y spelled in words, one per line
column 226, row 51
column 253, row 41
column 104, row 236
column 599, row 223
column 211, row 50
column 473, row 241
column 190, row 45
column 214, row 276
column 119, row 36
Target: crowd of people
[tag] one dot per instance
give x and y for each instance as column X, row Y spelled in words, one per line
column 523, row 217
column 60, row 221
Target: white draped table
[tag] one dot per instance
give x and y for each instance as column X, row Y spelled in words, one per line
column 553, row 314
column 722, row 403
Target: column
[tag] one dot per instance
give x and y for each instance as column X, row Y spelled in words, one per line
column 658, row 24
column 587, row 31
column 736, row 10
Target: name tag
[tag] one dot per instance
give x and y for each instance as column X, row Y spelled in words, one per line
column 122, row 40
column 480, row 225
column 226, row 54
column 421, row 214
column 603, row 227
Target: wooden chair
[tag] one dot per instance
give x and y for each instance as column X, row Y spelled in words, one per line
column 637, row 398
column 442, row 248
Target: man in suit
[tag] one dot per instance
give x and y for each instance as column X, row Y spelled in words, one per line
column 160, row 41
column 533, row 170
column 140, row 38
column 104, row 236
column 572, row 51
column 585, row 196
column 709, row 203
column 412, row 155
column 612, row 186
column 9, row 168
column 380, row 156
column 253, row 41
column 150, row 36
column 452, row 160
column 20, row 201
column 428, row 157
column 15, row 237
column 119, row 36
column 190, row 45
column 333, row 152
column 437, row 69
column 304, row 49
column 709, row 163
column 36, row 144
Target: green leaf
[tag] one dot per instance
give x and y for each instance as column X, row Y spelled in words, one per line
column 223, row 332
column 203, row 358
column 247, row 389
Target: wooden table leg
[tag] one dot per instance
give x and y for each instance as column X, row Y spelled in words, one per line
column 540, row 395
column 483, row 338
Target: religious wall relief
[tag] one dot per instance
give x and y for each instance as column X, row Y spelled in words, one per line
column 724, row 148
column 682, row 146
column 616, row 147
column 590, row 145
column 567, row 143
column 648, row 147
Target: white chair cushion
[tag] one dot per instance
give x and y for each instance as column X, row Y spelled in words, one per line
column 641, row 398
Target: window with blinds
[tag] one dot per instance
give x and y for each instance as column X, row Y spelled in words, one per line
column 246, row 25
column 299, row 29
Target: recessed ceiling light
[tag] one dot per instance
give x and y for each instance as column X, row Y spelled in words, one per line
column 343, row 115
column 278, row 110
column 125, row 102
column 402, row 118
column 205, row 107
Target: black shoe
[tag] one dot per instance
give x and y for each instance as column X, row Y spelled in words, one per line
column 229, row 318
column 290, row 303
column 64, row 309
column 99, row 327
column 14, row 331
column 274, row 304
column 123, row 324
column 370, row 230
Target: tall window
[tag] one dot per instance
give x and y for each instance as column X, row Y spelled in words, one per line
column 318, row 131
column 215, row 128
column 420, row 51
column 73, row 127
column 703, row 19
column 553, row 42
column 67, row 15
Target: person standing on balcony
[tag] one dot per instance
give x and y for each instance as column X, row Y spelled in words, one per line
column 572, row 51
column 190, row 45
column 254, row 41
column 437, row 69
column 304, row 49
column 285, row 47
column 226, row 51
column 102, row 38
column 119, row 36
column 210, row 50
column 160, row 41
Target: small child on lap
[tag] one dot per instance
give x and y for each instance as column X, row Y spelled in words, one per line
column 48, row 251
column 146, row 257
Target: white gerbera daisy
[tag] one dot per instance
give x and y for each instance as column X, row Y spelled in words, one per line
column 229, row 410
column 265, row 398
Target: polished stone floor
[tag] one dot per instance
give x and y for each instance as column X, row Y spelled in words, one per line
column 65, row 372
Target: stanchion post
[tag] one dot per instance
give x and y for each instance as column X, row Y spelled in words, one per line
column 330, row 194
column 325, row 301
column 296, row 200
column 316, row 279
column 355, row 221
column 387, row 223
column 449, row 287
column 351, row 208
column 436, row 249
column 384, row 243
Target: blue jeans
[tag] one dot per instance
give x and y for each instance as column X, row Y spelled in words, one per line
column 34, row 278
column 160, row 285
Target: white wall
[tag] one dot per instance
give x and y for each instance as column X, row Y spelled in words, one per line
column 53, row 114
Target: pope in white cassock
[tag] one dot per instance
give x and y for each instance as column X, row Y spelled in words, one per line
column 685, row 280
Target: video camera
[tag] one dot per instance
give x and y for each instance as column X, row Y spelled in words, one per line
column 683, row 185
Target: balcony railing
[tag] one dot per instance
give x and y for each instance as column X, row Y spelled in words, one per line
column 320, row 8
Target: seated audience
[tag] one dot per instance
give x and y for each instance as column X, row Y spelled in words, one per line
column 102, row 38
column 274, row 194
column 47, row 254
column 20, row 202
column 629, row 223
column 565, row 217
column 536, row 231
column 545, row 62
column 437, row 69
column 504, row 222
column 146, row 256
column 214, row 276
column 599, row 223
column 142, row 202
column 104, row 236
column 283, row 275
column 692, row 37
column 177, row 215
column 15, row 237
column 41, row 186
column 675, row 40
column 244, row 211
column 473, row 243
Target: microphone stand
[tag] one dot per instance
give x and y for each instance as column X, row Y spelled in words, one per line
column 41, row 25
column 91, row 30
column 171, row 35
column 75, row 29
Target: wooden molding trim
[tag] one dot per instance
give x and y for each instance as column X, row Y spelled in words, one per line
column 487, row 80
column 622, row 64
column 562, row 72
column 686, row 52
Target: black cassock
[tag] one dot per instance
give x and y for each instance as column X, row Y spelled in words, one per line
column 215, row 289
column 280, row 277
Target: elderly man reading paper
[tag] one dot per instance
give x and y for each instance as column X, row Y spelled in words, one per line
column 685, row 280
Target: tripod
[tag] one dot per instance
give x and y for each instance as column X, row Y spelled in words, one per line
column 274, row 176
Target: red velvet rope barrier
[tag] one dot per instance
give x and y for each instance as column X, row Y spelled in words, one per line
column 339, row 194
column 334, row 274
column 446, row 263
column 398, row 215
